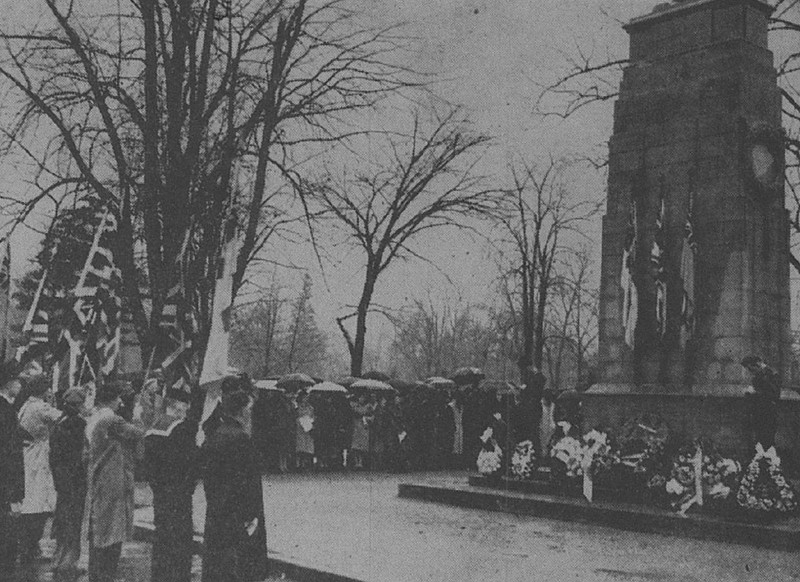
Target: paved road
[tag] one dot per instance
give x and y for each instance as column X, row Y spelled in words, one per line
column 134, row 565
column 355, row 525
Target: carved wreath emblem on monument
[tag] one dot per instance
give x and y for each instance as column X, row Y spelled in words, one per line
column 763, row 165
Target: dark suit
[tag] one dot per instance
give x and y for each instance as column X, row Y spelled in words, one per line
column 232, row 483
column 12, row 484
column 69, row 477
column 171, row 465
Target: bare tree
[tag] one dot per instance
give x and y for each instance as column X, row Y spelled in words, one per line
column 571, row 325
column 428, row 183
column 435, row 340
column 173, row 113
column 543, row 214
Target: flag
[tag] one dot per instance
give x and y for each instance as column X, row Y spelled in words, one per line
column 98, row 307
column 630, row 301
column 5, row 296
column 688, row 255
column 215, row 361
column 37, row 325
column 178, row 326
column 659, row 273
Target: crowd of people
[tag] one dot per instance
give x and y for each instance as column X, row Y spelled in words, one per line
column 415, row 426
column 76, row 456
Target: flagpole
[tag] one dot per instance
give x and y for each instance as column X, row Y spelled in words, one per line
column 95, row 246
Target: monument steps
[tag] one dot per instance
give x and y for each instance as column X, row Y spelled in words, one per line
column 782, row 533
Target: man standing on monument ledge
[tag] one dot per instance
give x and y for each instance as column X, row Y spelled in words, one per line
column 763, row 396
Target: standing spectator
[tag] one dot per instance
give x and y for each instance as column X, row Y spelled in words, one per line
column 305, row 427
column 763, row 400
column 456, row 409
column 12, row 474
column 235, row 534
column 171, row 466
column 69, row 478
column 359, row 442
column 284, row 431
column 36, row 419
column 112, row 446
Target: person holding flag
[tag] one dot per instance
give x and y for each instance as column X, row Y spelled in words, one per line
column 170, row 462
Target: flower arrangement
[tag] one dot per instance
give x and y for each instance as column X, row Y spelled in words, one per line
column 718, row 475
column 763, row 487
column 489, row 461
column 599, row 453
column 642, row 449
column 491, row 455
column 569, row 451
column 523, row 459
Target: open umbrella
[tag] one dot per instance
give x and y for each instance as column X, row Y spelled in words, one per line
column 328, row 387
column 295, row 381
column 376, row 375
column 267, row 385
column 468, row 375
column 367, row 384
column 498, row 386
column 439, row 382
column 347, row 381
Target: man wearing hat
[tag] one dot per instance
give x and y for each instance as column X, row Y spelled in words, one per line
column 235, row 534
column 12, row 472
column 171, row 467
column 763, row 400
column 69, row 477
column 112, row 445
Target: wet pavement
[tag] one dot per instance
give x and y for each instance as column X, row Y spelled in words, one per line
column 355, row 525
column 134, row 565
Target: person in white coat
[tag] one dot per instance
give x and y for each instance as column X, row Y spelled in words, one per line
column 37, row 418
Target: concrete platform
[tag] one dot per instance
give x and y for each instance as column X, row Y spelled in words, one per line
column 354, row 526
column 530, row 499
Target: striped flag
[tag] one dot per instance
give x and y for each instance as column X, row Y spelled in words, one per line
column 630, row 301
column 179, row 327
column 688, row 255
column 659, row 273
column 98, row 306
column 5, row 296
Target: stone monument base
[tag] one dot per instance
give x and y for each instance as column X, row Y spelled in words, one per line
column 715, row 412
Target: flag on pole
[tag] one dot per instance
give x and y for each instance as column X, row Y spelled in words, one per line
column 659, row 273
column 5, row 296
column 215, row 361
column 630, row 301
column 97, row 305
column 688, row 255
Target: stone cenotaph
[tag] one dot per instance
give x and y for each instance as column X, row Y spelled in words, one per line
column 695, row 265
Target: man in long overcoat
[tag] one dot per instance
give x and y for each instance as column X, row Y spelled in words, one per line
column 12, row 473
column 171, row 466
column 235, row 534
column 69, row 477
column 112, row 447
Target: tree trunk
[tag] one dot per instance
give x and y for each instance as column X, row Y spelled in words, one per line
column 357, row 355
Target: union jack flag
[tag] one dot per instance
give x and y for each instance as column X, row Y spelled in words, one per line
column 98, row 306
column 659, row 273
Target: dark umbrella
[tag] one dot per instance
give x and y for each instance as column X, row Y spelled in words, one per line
column 498, row 386
column 295, row 381
column 439, row 382
column 468, row 375
column 328, row 387
column 347, row 381
column 376, row 375
column 267, row 385
column 367, row 384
